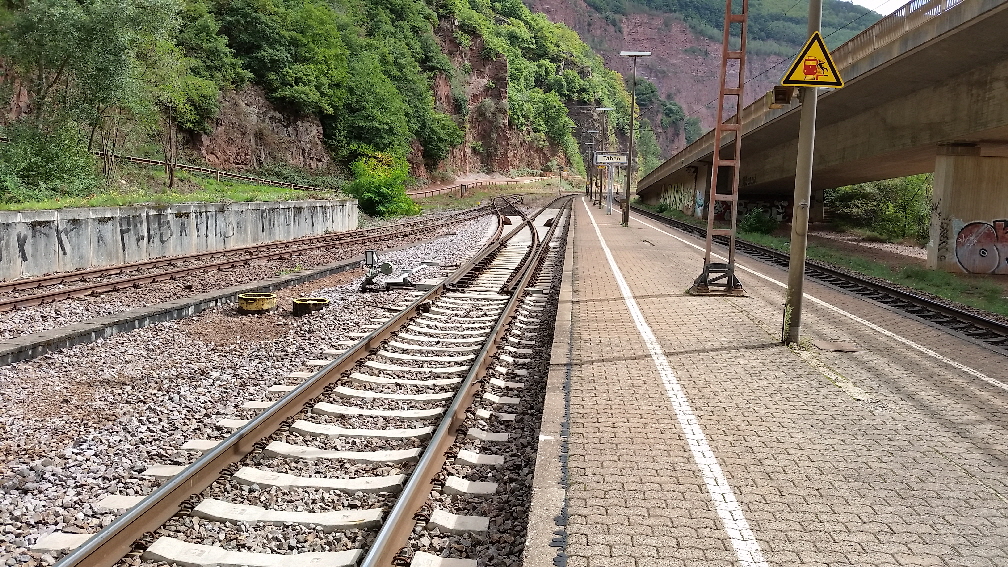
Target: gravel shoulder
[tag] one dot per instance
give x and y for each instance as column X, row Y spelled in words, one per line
column 83, row 423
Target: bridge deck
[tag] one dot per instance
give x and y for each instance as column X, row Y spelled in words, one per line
column 696, row 439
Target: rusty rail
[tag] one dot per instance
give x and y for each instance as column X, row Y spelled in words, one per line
column 117, row 539
column 282, row 249
column 462, row 188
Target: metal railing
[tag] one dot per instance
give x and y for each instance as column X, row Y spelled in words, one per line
column 217, row 173
column 905, row 19
column 461, row 188
column 221, row 174
column 910, row 17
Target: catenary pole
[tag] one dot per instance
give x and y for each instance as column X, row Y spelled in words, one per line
column 633, row 103
column 802, row 197
column 633, row 55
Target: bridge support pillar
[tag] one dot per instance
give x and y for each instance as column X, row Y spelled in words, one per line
column 969, row 219
column 701, row 190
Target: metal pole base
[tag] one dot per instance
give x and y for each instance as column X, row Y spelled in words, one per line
column 717, row 279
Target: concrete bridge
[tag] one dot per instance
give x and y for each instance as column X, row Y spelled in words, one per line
column 926, row 91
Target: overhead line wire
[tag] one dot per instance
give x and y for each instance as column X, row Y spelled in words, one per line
column 782, row 61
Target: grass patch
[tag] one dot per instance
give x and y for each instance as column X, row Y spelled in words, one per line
column 967, row 289
column 142, row 186
column 975, row 291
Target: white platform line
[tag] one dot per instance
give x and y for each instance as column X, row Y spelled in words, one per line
column 869, row 324
column 728, row 508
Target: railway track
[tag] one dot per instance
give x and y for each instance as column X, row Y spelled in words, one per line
column 383, row 423
column 972, row 326
column 51, row 288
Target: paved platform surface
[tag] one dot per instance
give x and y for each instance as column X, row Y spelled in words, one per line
column 695, row 438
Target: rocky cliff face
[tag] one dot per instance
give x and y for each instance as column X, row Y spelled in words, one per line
column 491, row 144
column 683, row 65
column 250, row 133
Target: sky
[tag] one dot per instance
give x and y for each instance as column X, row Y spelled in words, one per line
column 884, row 7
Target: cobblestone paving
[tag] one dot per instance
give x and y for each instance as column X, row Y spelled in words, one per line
column 884, row 456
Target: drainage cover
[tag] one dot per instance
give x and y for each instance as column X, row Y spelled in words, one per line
column 305, row 305
column 256, row 302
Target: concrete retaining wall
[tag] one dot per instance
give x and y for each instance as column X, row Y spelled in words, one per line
column 34, row 243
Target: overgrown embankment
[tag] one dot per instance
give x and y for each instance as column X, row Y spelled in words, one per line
column 438, row 87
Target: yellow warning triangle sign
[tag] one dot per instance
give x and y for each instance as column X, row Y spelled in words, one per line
column 814, row 67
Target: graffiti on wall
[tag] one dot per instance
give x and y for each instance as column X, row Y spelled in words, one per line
column 678, row 197
column 982, row 247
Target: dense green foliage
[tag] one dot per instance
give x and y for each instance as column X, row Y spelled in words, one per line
column 105, row 75
column 378, row 185
column 672, row 115
column 647, row 94
column 647, row 149
column 757, row 221
column 776, row 27
column 36, row 167
column 693, row 129
column 548, row 68
column 891, row 210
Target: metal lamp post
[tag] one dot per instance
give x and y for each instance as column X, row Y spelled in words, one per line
column 591, row 164
column 605, row 141
column 633, row 55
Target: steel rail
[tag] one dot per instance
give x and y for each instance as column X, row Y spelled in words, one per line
column 399, row 523
column 116, row 540
column 102, row 287
column 975, row 327
column 332, row 238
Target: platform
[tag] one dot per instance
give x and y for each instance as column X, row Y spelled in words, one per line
column 695, row 438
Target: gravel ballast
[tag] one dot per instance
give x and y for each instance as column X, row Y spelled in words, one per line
column 86, row 422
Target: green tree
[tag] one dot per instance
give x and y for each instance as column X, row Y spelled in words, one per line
column 438, row 135
column 41, row 165
column 693, row 129
column 86, row 64
column 893, row 208
column 201, row 40
column 646, row 94
column 374, row 113
column 649, row 154
column 379, row 184
column 672, row 116
column 294, row 49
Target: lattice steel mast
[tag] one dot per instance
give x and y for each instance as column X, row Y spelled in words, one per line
column 719, row 277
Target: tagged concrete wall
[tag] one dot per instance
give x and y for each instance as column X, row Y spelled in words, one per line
column 34, row 243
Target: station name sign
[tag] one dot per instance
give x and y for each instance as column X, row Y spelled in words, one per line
column 610, row 159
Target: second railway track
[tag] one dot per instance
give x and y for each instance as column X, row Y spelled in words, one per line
column 375, row 425
column 972, row 326
column 51, row 288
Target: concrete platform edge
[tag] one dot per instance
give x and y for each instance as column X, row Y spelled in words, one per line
column 34, row 345
column 546, row 539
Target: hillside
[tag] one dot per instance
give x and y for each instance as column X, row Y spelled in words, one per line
column 685, row 39
column 433, row 89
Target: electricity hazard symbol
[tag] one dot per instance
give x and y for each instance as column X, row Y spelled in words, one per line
column 814, row 67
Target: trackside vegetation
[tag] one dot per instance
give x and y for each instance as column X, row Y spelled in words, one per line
column 968, row 289
column 142, row 77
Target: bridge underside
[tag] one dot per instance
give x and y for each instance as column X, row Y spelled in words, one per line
column 941, row 107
